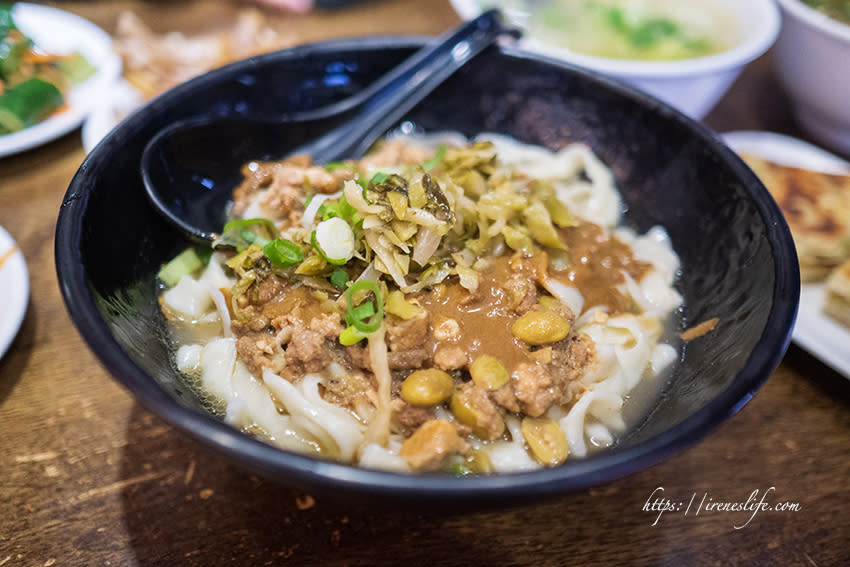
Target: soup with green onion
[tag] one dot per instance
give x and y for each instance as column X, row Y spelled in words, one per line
column 649, row 30
column 836, row 9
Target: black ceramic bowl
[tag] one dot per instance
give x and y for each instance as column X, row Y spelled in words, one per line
column 738, row 260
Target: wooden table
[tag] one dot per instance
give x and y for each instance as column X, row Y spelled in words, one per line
column 88, row 477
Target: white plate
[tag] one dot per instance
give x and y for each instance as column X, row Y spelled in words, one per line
column 817, row 333
column 57, row 31
column 113, row 105
column 14, row 289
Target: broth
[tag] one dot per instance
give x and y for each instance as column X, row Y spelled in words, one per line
column 836, row 9
column 648, row 30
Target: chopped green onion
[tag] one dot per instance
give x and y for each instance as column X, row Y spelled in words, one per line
column 334, row 165
column 652, row 32
column 240, row 234
column 350, row 335
column 364, row 184
column 364, row 320
column 362, row 312
column 283, row 253
column 378, row 178
column 333, row 239
column 459, row 469
column 617, row 20
column 185, row 263
column 252, row 237
column 327, row 210
column 435, row 160
column 339, row 278
column 340, row 208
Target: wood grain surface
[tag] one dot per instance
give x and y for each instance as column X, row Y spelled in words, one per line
column 88, row 477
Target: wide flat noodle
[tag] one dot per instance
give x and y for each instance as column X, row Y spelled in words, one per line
column 378, row 431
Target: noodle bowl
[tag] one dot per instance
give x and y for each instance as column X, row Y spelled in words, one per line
column 737, row 259
column 439, row 305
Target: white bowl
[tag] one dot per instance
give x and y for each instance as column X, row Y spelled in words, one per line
column 812, row 60
column 694, row 85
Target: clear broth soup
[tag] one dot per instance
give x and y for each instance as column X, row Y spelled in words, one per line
column 647, row 30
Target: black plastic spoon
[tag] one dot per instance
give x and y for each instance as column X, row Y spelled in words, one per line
column 190, row 168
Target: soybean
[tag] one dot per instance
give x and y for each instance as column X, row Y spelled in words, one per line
column 541, row 327
column 479, row 462
column 463, row 406
column 427, row 387
column 488, row 372
column 546, row 440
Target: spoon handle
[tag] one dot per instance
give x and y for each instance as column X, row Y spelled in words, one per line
column 187, row 168
column 397, row 92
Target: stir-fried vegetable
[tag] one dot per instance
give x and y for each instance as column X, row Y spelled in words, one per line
column 27, row 103
column 33, row 84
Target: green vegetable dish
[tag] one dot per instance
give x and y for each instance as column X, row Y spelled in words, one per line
column 836, row 9
column 33, row 84
column 460, row 307
column 648, row 30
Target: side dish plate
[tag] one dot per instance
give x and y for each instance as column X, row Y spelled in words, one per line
column 116, row 102
column 14, row 289
column 59, row 31
column 814, row 331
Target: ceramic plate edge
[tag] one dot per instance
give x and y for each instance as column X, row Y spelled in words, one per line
column 93, row 42
column 14, row 288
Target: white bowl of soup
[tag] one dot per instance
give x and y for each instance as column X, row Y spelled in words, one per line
column 687, row 54
column 812, row 61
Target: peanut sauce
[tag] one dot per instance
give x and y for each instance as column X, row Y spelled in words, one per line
column 300, row 298
column 597, row 266
column 485, row 317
